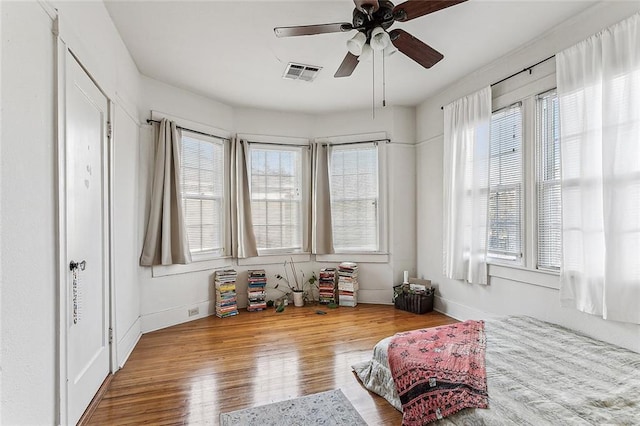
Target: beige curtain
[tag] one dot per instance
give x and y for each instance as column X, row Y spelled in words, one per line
column 307, row 211
column 166, row 242
column 243, row 240
column 322, row 236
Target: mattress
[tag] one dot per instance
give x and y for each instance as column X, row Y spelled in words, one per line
column 537, row 374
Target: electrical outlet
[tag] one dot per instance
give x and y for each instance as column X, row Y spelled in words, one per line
column 194, row 311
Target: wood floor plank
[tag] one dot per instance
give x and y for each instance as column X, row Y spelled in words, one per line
column 190, row 373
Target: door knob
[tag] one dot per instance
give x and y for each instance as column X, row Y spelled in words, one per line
column 77, row 265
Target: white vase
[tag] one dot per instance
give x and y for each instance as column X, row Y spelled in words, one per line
column 297, row 298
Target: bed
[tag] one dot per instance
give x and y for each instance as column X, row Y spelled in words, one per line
column 537, row 374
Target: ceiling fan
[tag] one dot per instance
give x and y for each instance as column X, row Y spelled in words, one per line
column 372, row 19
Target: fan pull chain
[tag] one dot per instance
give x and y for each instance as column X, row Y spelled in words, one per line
column 384, row 79
column 373, row 85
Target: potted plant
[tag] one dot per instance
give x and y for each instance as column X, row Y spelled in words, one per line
column 296, row 282
column 312, row 285
column 281, row 302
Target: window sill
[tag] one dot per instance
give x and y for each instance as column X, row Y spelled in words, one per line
column 272, row 259
column 195, row 266
column 267, row 259
column 524, row 275
column 354, row 257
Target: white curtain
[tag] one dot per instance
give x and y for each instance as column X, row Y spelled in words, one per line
column 165, row 241
column 467, row 124
column 599, row 95
column 243, row 240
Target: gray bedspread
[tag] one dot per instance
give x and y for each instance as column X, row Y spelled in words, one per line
column 538, row 374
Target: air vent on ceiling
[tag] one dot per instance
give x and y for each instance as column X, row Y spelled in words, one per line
column 301, row 72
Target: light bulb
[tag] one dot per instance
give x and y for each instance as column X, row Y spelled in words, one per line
column 379, row 39
column 366, row 54
column 356, row 43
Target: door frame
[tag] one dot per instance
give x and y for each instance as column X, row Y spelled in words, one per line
column 62, row 46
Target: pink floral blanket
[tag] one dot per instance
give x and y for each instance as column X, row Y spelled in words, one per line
column 439, row 371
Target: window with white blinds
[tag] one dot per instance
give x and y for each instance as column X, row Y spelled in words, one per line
column 202, row 189
column 354, row 197
column 549, row 214
column 276, row 201
column 506, row 185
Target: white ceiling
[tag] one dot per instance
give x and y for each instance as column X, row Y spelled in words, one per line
column 226, row 50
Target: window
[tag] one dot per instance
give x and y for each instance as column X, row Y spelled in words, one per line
column 276, row 199
column 203, row 194
column 549, row 223
column 506, row 185
column 354, row 197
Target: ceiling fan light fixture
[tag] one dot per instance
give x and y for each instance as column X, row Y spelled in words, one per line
column 367, row 53
column 379, row 39
column 356, row 44
column 371, row 20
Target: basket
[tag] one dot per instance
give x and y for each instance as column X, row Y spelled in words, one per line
column 412, row 302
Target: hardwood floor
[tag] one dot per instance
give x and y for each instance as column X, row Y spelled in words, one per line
column 190, row 373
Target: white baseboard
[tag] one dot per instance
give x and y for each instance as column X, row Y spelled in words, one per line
column 459, row 311
column 174, row 316
column 378, row 297
column 128, row 342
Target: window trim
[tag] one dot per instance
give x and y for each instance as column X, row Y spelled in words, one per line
column 534, row 254
column 383, row 191
column 195, row 266
column 525, row 89
column 520, row 260
column 270, row 141
column 376, row 201
column 224, row 250
column 198, row 263
column 299, row 200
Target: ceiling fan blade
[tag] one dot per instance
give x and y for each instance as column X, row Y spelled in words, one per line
column 415, row 49
column 347, row 66
column 367, row 6
column 312, row 29
column 414, row 9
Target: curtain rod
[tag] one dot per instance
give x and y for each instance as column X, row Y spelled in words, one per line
column 278, row 144
column 149, row 121
column 327, row 144
column 529, row 68
column 354, row 143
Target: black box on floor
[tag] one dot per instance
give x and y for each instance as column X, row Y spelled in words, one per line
column 411, row 298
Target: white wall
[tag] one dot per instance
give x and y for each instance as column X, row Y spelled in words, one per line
column 28, row 241
column 88, row 31
column 377, row 279
column 159, row 96
column 28, row 247
column 125, row 207
column 520, row 294
column 253, row 121
column 166, row 299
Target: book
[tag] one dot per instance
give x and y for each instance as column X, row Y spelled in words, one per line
column 347, row 284
column 225, row 288
column 327, row 286
column 256, row 290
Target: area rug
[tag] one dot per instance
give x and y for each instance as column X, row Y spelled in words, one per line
column 329, row 408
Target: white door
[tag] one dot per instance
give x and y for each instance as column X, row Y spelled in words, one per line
column 88, row 354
